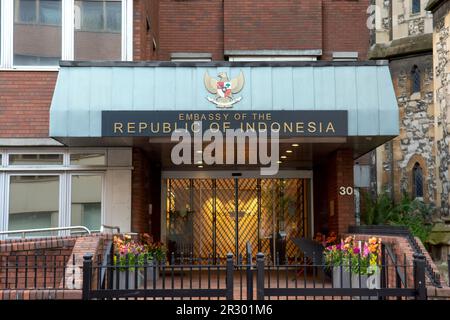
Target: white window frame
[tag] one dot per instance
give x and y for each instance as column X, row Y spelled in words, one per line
column 6, row 195
column 65, row 173
column 68, row 210
column 86, row 151
column 67, row 38
column 24, row 151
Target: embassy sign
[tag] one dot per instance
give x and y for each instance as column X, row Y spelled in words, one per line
column 163, row 123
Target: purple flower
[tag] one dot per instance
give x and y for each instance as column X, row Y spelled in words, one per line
column 356, row 250
column 338, row 246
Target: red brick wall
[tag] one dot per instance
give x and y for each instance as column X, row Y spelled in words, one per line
column 334, row 212
column 50, row 257
column 344, row 27
column 404, row 253
column 140, row 192
column 191, row 26
column 25, row 99
column 273, row 25
column 144, row 11
column 40, row 294
column 214, row 26
column 54, row 258
column 342, row 164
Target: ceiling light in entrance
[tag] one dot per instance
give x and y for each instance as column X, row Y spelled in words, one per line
column 288, row 151
column 283, row 157
column 279, row 162
column 295, row 145
column 200, row 167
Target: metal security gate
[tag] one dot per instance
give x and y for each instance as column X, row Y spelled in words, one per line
column 208, row 218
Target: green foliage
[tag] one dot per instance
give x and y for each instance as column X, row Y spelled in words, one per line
column 377, row 211
column 413, row 214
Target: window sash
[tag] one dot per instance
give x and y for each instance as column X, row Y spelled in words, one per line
column 8, row 19
column 64, row 196
column 7, row 194
column 418, row 187
column 41, row 10
column 102, row 196
column 38, row 161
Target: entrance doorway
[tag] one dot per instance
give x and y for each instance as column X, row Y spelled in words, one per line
column 210, row 217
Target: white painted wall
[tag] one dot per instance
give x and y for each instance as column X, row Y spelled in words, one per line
column 118, row 199
column 118, row 189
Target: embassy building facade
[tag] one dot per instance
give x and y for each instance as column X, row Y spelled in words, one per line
column 92, row 91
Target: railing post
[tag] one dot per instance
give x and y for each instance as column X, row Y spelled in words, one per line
column 87, row 275
column 260, row 276
column 249, row 273
column 383, row 266
column 230, row 280
column 419, row 276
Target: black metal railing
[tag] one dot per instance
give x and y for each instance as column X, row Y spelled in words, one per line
column 37, row 271
column 404, row 232
column 186, row 277
column 181, row 278
column 304, row 280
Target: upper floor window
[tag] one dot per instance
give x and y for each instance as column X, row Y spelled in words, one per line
column 415, row 79
column 415, row 6
column 37, row 32
column 40, row 33
column 98, row 28
column 98, row 16
column 417, row 181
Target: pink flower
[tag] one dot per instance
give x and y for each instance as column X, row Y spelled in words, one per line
column 356, row 250
column 366, row 250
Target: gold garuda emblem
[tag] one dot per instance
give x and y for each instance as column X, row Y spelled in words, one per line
column 224, row 89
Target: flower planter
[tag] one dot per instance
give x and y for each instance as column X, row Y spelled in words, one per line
column 152, row 271
column 371, row 282
column 122, row 275
column 339, row 274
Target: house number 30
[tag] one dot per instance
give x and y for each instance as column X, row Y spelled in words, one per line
column 345, row 191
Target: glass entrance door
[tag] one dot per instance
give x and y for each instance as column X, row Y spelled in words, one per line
column 208, row 218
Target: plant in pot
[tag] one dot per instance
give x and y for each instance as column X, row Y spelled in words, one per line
column 129, row 259
column 156, row 255
column 355, row 265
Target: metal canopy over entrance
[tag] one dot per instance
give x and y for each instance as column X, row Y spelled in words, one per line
column 208, row 218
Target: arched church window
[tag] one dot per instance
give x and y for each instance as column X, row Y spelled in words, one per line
column 417, row 181
column 415, row 79
column 415, row 6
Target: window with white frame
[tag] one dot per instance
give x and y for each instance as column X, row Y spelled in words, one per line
column 40, row 33
column 86, row 201
column 37, row 32
column 98, row 30
column 33, row 201
column 52, row 188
